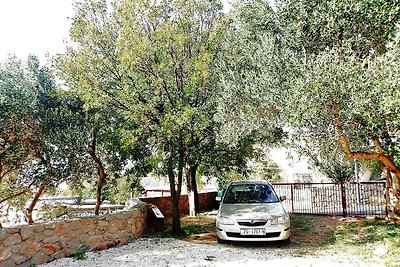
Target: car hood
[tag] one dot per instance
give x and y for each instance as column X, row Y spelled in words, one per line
column 252, row 211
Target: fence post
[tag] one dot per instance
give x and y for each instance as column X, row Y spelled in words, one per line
column 344, row 204
column 292, row 197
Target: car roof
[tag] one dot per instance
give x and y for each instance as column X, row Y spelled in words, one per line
column 250, row 182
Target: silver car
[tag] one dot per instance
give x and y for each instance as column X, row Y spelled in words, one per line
column 251, row 211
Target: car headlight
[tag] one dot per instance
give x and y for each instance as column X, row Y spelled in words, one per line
column 280, row 220
column 224, row 221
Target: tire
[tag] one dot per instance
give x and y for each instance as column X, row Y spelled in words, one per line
column 285, row 242
column 220, row 241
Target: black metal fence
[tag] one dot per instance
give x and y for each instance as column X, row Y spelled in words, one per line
column 345, row 199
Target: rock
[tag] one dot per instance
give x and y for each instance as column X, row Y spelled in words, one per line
column 5, row 254
column 101, row 246
column 102, row 223
column 39, row 258
column 18, row 259
column 69, row 237
column 28, row 248
column 26, row 232
column 88, row 221
column 74, row 225
column 74, row 244
column 49, row 232
column 83, row 247
column 114, row 227
column 95, row 239
column 57, row 255
column 12, row 240
column 3, row 234
column 50, row 249
column 70, row 241
column 37, row 228
column 123, row 225
column 50, row 226
column 108, row 236
column 13, row 230
column 40, row 236
column 62, row 228
column 7, row 263
column 83, row 237
column 51, row 239
column 88, row 228
column 119, row 235
column 133, row 229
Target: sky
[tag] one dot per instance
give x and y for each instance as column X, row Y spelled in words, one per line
column 33, row 27
column 38, row 27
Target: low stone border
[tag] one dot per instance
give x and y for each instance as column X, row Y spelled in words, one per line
column 41, row 243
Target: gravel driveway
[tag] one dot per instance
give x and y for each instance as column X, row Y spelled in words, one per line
column 162, row 252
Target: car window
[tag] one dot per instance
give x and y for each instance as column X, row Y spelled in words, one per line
column 250, row 193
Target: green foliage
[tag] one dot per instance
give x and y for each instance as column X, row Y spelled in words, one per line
column 329, row 161
column 152, row 65
column 314, row 26
column 79, row 255
column 52, row 212
column 210, row 258
column 17, row 101
column 249, row 81
column 194, row 229
column 324, row 70
column 40, row 144
column 304, row 223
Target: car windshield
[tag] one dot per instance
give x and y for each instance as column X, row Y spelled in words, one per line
column 250, row 193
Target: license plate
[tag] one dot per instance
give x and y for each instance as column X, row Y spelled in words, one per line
column 253, row 231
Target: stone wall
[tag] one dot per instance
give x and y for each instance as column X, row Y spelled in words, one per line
column 41, row 243
column 206, row 200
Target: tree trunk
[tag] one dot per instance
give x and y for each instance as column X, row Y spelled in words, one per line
column 195, row 190
column 100, row 184
column 176, row 220
column 393, row 171
column 100, row 171
column 193, row 193
column 1, row 171
column 33, row 204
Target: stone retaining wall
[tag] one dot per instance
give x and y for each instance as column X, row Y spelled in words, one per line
column 41, row 243
column 206, row 200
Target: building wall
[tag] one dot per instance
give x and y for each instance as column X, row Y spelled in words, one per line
column 206, row 200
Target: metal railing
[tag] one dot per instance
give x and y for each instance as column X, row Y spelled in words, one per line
column 345, row 199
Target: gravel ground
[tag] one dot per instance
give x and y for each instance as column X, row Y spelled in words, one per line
column 173, row 252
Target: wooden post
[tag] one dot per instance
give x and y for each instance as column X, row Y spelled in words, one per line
column 292, row 197
column 344, row 203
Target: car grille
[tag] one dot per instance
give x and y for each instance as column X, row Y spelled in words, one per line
column 268, row 235
column 250, row 223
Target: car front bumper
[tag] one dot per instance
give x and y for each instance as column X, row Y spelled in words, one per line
column 275, row 233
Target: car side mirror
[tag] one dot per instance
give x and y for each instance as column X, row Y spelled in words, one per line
column 218, row 198
column 282, row 198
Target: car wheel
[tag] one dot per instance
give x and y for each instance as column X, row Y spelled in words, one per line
column 220, row 241
column 285, row 242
